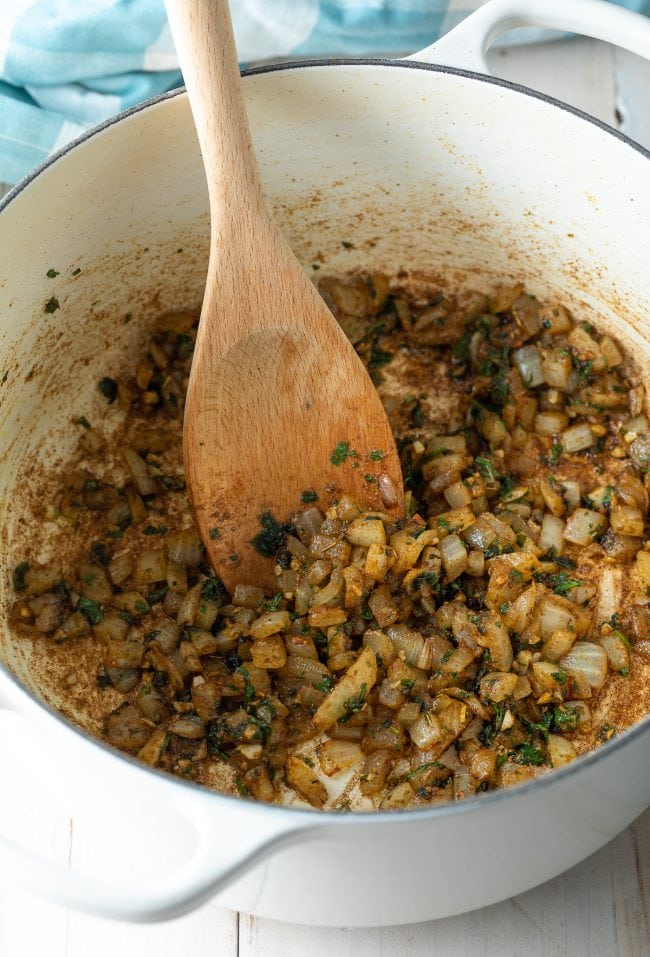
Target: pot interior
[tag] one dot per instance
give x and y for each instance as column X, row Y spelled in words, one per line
column 440, row 178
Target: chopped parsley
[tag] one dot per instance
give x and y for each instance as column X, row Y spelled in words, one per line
column 99, row 554
column 249, row 690
column 19, row 576
column 562, row 584
column 341, row 453
column 526, row 753
column 379, row 358
column 375, row 455
column 355, row 703
column 325, row 684
column 213, row 589
column 486, row 468
column 91, row 610
column 566, row 717
column 308, row 496
column 272, row 536
column 157, row 594
column 423, row 767
column 274, row 603
column 108, row 388
column 214, row 534
column 52, row 305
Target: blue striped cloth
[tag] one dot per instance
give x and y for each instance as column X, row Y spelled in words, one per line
column 66, row 65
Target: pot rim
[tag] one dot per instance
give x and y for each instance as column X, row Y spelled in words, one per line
column 309, row 816
column 325, row 62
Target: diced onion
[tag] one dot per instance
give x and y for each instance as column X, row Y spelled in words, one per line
column 551, row 534
column 458, row 495
column 560, row 750
column 139, row 470
column 577, row 438
column 529, row 362
column 626, row 520
column 550, row 423
column 555, row 613
column 184, row 547
column 408, row 644
column 587, row 661
column 454, row 556
column 583, row 526
column 425, row 731
column 557, row 368
column 617, row 651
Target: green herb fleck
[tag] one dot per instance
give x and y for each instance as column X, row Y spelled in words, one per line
column 52, row 274
column 308, row 496
column 542, row 725
column 19, row 576
column 566, row 717
column 274, row 603
column 562, row 584
column 486, row 468
column 108, row 388
column 272, row 536
column 52, row 305
column 355, row 703
column 157, row 594
column 325, row 684
column 213, row 589
column 214, row 534
column 526, row 753
column 249, row 690
column 621, row 637
column 376, row 455
column 90, row 609
column 423, row 767
column 341, row 453
column 379, row 358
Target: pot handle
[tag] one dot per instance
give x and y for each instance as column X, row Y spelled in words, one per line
column 466, row 45
column 221, row 854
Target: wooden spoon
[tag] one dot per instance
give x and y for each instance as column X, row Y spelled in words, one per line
column 275, row 385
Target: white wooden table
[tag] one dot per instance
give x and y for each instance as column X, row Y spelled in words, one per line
column 601, row 907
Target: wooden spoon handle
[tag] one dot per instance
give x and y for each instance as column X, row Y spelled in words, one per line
column 205, row 43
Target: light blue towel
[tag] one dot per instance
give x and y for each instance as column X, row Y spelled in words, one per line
column 66, row 65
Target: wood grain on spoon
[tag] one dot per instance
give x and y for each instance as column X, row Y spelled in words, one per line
column 275, row 385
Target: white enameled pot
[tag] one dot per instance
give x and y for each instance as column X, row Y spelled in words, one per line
column 427, row 168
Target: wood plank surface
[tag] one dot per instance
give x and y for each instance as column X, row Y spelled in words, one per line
column 598, row 909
